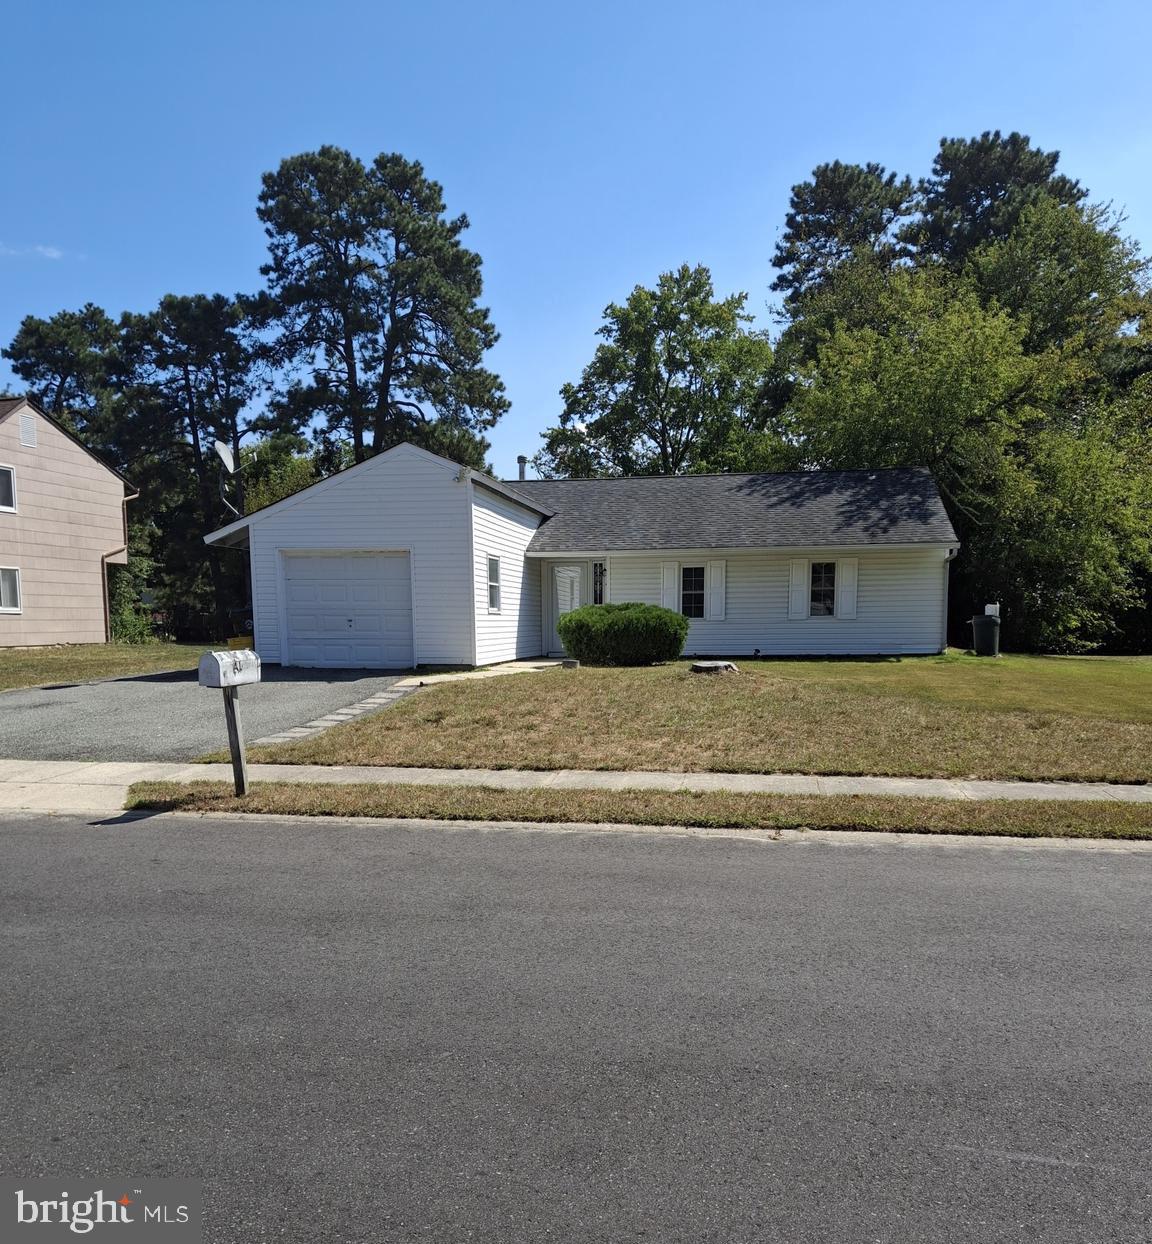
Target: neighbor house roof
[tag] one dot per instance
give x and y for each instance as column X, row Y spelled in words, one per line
column 793, row 509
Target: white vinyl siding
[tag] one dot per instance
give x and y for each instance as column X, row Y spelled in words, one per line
column 501, row 530
column 403, row 501
column 895, row 600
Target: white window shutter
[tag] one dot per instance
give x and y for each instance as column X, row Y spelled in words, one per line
column 847, row 573
column 799, row 589
column 717, row 583
column 28, row 430
column 670, row 590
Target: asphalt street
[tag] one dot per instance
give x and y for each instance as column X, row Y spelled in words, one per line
column 166, row 716
column 377, row 1032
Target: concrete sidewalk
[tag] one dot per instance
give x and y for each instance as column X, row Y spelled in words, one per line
column 75, row 787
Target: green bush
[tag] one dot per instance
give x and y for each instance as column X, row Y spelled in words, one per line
column 133, row 626
column 624, row 634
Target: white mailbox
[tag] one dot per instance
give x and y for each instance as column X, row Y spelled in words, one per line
column 234, row 668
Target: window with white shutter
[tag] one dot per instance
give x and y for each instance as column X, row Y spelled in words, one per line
column 670, row 585
column 847, row 573
column 717, row 585
column 798, row 588
column 28, row 430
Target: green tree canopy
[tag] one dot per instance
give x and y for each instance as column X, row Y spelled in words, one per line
column 377, row 302
column 845, row 212
column 979, row 189
column 70, row 364
column 676, row 373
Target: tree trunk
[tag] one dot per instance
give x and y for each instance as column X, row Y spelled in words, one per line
column 215, row 569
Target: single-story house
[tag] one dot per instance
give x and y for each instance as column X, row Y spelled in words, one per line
column 62, row 524
column 411, row 559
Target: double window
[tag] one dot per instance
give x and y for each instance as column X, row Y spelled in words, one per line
column 493, row 585
column 692, row 591
column 9, row 589
column 7, row 489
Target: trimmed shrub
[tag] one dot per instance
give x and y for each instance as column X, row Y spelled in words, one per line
column 624, row 634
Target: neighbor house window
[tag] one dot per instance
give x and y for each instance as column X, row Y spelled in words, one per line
column 599, row 578
column 493, row 585
column 822, row 602
column 9, row 590
column 7, row 488
column 692, row 591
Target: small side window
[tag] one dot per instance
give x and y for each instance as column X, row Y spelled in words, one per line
column 493, row 585
column 692, row 591
column 599, row 578
column 9, row 590
column 7, row 489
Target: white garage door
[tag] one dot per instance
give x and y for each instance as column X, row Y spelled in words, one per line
column 349, row 609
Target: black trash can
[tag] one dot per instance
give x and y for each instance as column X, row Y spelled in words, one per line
column 986, row 635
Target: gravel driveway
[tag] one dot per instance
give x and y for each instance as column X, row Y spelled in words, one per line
column 167, row 716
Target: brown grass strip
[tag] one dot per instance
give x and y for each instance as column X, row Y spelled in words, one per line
column 1024, row 818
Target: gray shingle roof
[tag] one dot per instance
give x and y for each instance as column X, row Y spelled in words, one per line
column 794, row 509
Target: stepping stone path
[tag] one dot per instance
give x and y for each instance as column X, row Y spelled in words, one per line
column 374, row 704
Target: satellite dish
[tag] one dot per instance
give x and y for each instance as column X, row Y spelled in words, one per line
column 225, row 455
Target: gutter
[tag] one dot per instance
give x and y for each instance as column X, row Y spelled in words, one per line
column 133, row 496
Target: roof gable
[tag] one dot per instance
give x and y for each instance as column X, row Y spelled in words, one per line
column 10, row 405
column 236, row 528
column 793, row 509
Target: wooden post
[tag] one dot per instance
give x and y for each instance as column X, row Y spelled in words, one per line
column 236, row 739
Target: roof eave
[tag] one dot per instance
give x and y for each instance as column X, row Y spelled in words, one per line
column 715, row 550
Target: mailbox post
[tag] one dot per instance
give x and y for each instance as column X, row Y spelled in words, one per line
column 231, row 671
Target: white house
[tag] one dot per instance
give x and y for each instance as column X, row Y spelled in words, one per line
column 409, row 559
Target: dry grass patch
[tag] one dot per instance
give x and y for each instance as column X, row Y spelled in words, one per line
column 37, row 667
column 1026, row 818
column 799, row 717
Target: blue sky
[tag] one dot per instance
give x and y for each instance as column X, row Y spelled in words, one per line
column 593, row 145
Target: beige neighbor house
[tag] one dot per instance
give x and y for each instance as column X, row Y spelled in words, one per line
column 62, row 523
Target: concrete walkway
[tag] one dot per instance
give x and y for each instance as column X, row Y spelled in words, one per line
column 400, row 688
column 70, row 786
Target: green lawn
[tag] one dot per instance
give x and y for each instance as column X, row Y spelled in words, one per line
column 1024, row 817
column 948, row 716
column 35, row 667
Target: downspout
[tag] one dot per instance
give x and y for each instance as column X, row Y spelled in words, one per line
column 952, row 555
column 134, row 496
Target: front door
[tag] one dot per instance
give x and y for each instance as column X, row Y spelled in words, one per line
column 568, row 593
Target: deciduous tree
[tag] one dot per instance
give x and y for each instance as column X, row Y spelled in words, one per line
column 676, row 372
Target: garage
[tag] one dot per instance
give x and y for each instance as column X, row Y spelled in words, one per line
column 348, row 609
